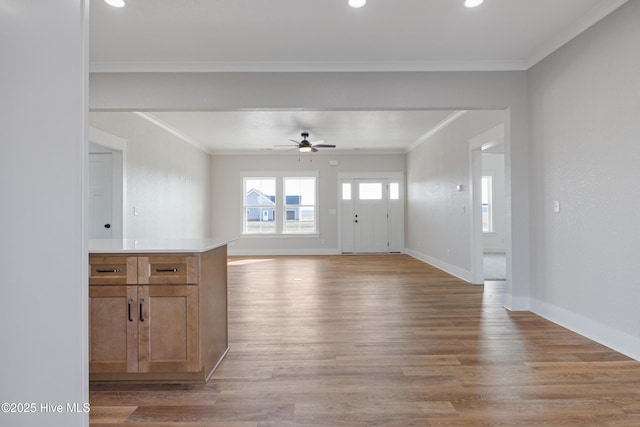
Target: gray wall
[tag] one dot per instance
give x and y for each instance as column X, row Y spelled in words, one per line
column 43, row 257
column 585, row 150
column 166, row 179
column 439, row 216
column 227, row 197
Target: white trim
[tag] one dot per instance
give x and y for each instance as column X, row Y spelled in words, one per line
column 512, row 303
column 615, row 339
column 173, row 131
column 437, row 128
column 441, row 265
column 599, row 11
column 106, row 139
column 308, row 66
column 371, row 175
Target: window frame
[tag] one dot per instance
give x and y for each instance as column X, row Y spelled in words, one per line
column 280, row 202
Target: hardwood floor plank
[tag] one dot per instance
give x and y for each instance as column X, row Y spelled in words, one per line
column 383, row 340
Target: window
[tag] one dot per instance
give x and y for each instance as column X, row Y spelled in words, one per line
column 370, row 190
column 394, row 191
column 300, row 201
column 259, row 205
column 487, row 202
column 279, row 205
column 346, row 191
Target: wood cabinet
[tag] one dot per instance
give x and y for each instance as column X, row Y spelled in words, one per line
column 157, row 317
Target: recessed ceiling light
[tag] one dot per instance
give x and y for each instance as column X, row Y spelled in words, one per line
column 115, row 3
column 473, row 3
column 357, row 3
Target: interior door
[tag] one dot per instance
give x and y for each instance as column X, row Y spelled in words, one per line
column 100, row 195
column 370, row 216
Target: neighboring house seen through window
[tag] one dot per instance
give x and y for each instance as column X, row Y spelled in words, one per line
column 280, row 205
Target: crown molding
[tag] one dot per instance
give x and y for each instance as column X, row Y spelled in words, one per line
column 175, row 132
column 282, row 66
column 437, row 128
column 598, row 12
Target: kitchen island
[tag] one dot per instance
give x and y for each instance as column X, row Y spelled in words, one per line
column 157, row 309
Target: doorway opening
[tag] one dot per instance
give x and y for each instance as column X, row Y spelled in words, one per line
column 489, row 219
column 107, row 155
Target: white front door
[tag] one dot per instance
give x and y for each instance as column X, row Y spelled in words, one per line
column 372, row 213
column 370, row 216
column 100, row 195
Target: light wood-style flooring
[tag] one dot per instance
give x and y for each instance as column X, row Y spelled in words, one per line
column 383, row 340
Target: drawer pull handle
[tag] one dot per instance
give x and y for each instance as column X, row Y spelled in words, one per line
column 141, row 318
column 167, row 270
column 115, row 270
column 129, row 311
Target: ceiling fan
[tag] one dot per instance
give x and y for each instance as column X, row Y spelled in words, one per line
column 305, row 146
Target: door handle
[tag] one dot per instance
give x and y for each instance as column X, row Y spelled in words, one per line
column 107, row 226
column 141, row 318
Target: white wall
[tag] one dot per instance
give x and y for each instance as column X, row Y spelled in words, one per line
column 227, row 197
column 439, row 216
column 585, row 150
column 493, row 166
column 43, row 256
column 167, row 180
column 430, row 90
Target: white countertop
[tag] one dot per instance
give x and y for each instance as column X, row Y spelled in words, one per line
column 106, row 246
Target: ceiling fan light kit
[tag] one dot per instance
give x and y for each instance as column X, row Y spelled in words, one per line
column 473, row 3
column 115, row 3
column 305, row 146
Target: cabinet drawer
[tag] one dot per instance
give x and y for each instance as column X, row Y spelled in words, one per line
column 158, row 270
column 113, row 270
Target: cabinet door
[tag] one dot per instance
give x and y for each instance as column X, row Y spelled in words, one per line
column 113, row 329
column 168, row 329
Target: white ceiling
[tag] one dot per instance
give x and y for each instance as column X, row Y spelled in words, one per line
column 326, row 35
column 266, row 131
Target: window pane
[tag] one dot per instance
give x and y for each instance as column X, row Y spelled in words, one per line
column 346, row 191
column 487, row 218
column 300, row 200
column 260, row 205
column 370, row 190
column 486, row 189
column 300, row 191
column 394, row 191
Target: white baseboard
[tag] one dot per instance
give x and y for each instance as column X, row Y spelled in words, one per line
column 458, row 272
column 619, row 341
column 279, row 252
column 512, row 303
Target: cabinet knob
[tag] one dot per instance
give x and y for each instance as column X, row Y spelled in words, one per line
column 107, row 226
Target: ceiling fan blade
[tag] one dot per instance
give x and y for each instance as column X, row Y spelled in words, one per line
column 293, row 140
column 324, row 145
column 286, row 145
column 313, row 149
